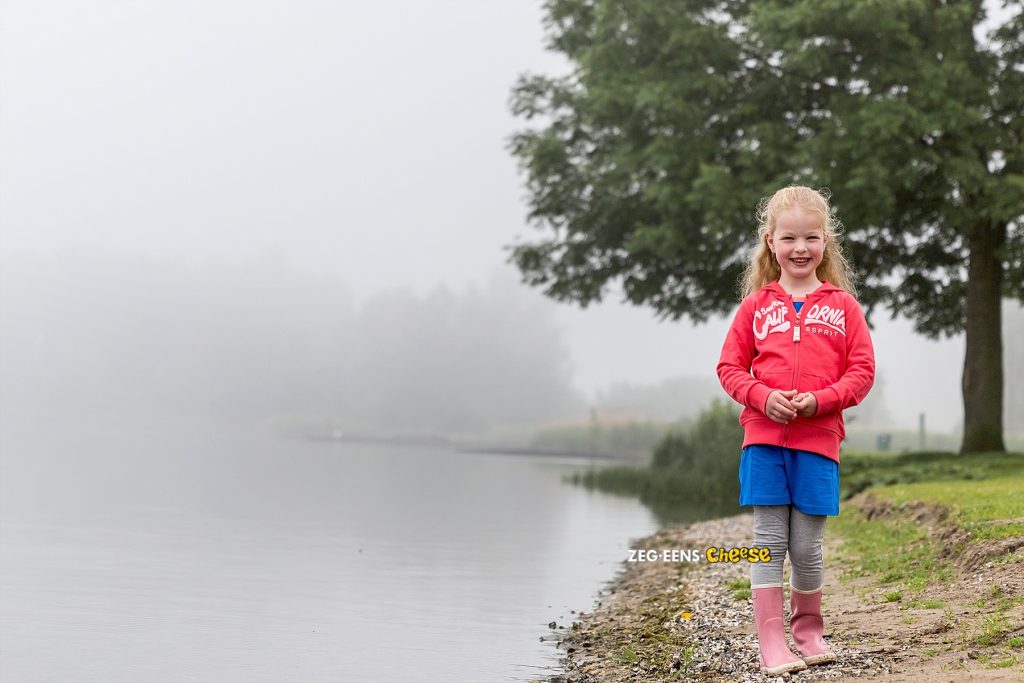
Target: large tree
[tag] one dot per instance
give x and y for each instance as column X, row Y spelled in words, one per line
column 645, row 162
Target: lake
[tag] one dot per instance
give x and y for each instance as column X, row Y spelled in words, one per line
column 180, row 551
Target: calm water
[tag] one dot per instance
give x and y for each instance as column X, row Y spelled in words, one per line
column 194, row 553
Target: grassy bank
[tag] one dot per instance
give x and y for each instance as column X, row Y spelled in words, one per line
column 927, row 582
column 861, row 470
column 942, row 532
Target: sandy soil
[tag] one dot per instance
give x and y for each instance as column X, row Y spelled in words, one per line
column 639, row 632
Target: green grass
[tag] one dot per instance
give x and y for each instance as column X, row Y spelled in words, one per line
column 917, row 603
column 990, row 508
column 1011, row 558
column 1002, row 663
column 982, row 493
column 993, row 630
column 741, row 594
column 646, row 638
column 895, row 551
column 861, row 470
column 740, row 588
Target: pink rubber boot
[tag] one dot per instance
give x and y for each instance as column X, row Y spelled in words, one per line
column 776, row 657
column 808, row 628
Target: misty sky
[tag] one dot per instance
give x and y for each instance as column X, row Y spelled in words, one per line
column 362, row 140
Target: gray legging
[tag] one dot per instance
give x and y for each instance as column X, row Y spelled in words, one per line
column 782, row 528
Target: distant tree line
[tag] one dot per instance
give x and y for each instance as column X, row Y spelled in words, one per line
column 91, row 331
column 94, row 332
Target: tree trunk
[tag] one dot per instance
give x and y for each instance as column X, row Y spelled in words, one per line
column 983, row 361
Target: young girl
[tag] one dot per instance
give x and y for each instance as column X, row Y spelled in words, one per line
column 798, row 353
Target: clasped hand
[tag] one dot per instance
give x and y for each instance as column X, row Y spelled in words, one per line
column 784, row 406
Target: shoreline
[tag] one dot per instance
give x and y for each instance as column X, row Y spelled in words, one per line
column 460, row 446
column 636, row 631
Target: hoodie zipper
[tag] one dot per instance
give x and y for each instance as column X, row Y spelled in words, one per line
column 796, row 361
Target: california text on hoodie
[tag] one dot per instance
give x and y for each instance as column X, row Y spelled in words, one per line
column 825, row 349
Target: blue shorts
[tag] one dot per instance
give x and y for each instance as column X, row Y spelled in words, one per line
column 772, row 475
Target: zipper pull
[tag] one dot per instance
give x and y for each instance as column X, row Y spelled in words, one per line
column 796, row 333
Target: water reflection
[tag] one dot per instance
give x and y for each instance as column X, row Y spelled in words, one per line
column 218, row 554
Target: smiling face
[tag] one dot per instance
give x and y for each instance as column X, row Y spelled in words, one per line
column 798, row 244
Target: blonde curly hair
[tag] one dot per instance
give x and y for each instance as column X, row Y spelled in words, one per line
column 762, row 267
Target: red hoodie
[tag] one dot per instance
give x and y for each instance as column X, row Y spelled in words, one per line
column 825, row 349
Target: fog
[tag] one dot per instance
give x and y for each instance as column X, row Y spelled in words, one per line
column 298, row 211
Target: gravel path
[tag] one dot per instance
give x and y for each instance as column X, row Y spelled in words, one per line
column 681, row 620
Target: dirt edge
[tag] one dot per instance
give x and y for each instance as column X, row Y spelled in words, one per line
column 635, row 632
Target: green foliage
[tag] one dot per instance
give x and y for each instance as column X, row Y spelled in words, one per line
column 672, row 495
column 693, row 473
column 708, row 454
column 716, row 436
column 678, row 116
